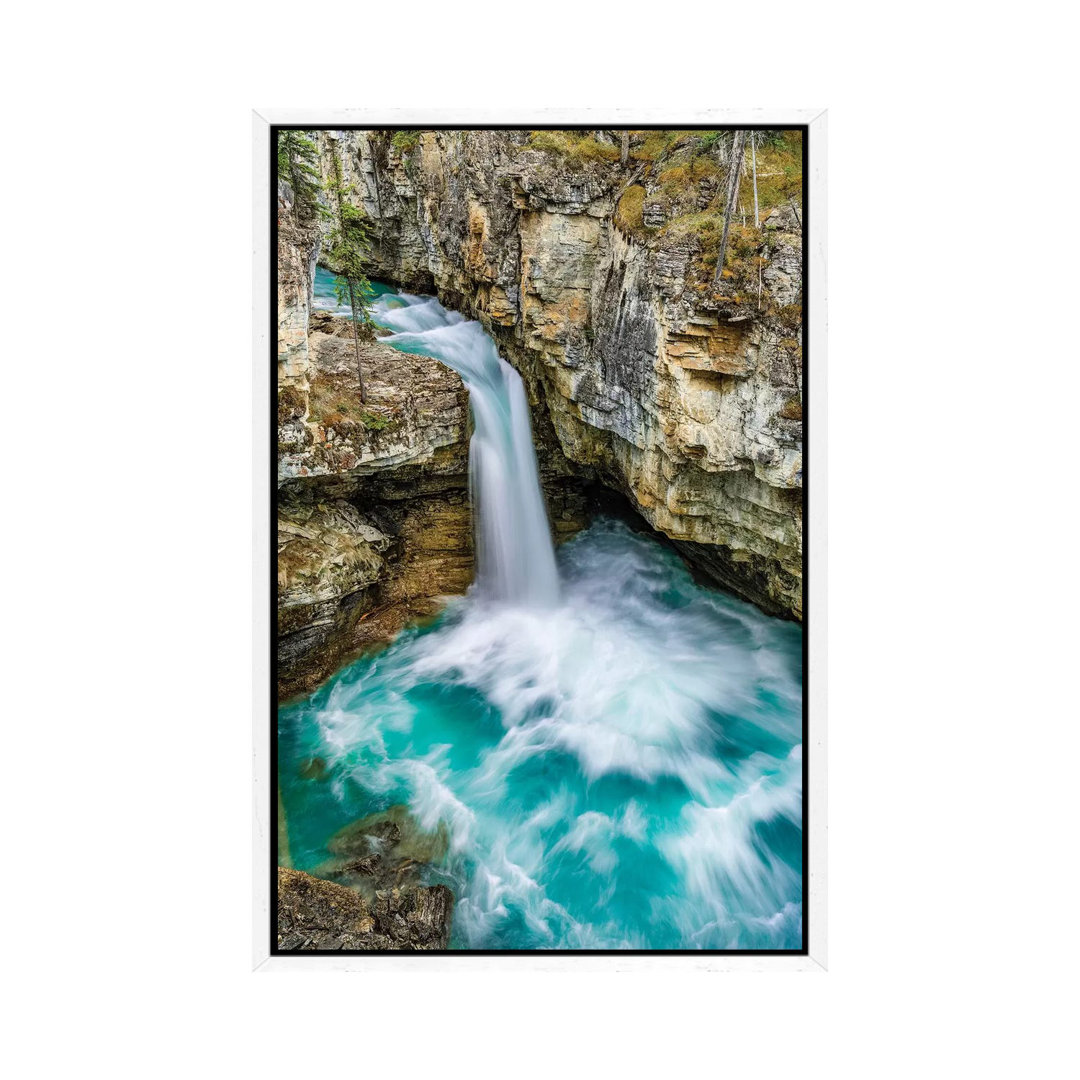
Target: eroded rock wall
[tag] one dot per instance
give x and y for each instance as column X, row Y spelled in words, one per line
column 374, row 524
column 685, row 397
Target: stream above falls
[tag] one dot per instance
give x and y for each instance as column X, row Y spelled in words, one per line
column 609, row 753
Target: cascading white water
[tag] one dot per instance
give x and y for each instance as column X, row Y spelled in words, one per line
column 514, row 554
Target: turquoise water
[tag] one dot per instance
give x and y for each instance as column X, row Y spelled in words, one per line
column 617, row 766
column 324, row 294
column 622, row 772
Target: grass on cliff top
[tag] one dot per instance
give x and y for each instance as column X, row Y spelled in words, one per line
column 582, row 146
column 678, row 160
column 779, row 182
column 575, row 147
column 684, row 176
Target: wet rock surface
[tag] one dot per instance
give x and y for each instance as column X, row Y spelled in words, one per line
column 313, row 914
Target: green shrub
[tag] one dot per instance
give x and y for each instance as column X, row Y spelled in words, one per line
column 374, row 421
column 405, row 142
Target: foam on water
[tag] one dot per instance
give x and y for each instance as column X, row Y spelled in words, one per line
column 617, row 761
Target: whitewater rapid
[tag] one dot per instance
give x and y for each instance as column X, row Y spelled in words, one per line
column 615, row 756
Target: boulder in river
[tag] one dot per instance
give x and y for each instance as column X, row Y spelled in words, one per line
column 392, row 831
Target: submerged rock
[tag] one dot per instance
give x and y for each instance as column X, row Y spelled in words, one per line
column 384, row 851
column 314, row 769
column 393, row 831
column 313, row 914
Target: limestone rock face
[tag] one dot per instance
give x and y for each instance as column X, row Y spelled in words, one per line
column 685, row 398
column 330, row 563
column 313, row 914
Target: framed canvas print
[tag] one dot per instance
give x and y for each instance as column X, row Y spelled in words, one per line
column 540, row 546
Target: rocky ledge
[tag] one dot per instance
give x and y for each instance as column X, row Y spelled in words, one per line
column 321, row 915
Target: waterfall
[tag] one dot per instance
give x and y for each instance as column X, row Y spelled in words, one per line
column 514, row 554
column 618, row 766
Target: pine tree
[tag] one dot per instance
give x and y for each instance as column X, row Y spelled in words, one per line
column 347, row 253
column 298, row 163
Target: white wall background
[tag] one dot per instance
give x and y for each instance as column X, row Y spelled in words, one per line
column 953, row 543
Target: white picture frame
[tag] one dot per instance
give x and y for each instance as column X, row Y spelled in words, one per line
column 815, row 412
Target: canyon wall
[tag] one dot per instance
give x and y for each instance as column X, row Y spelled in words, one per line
column 373, row 519
column 596, row 278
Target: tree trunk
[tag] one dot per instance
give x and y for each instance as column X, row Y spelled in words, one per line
column 738, row 149
column 624, row 148
column 356, row 343
column 753, row 163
